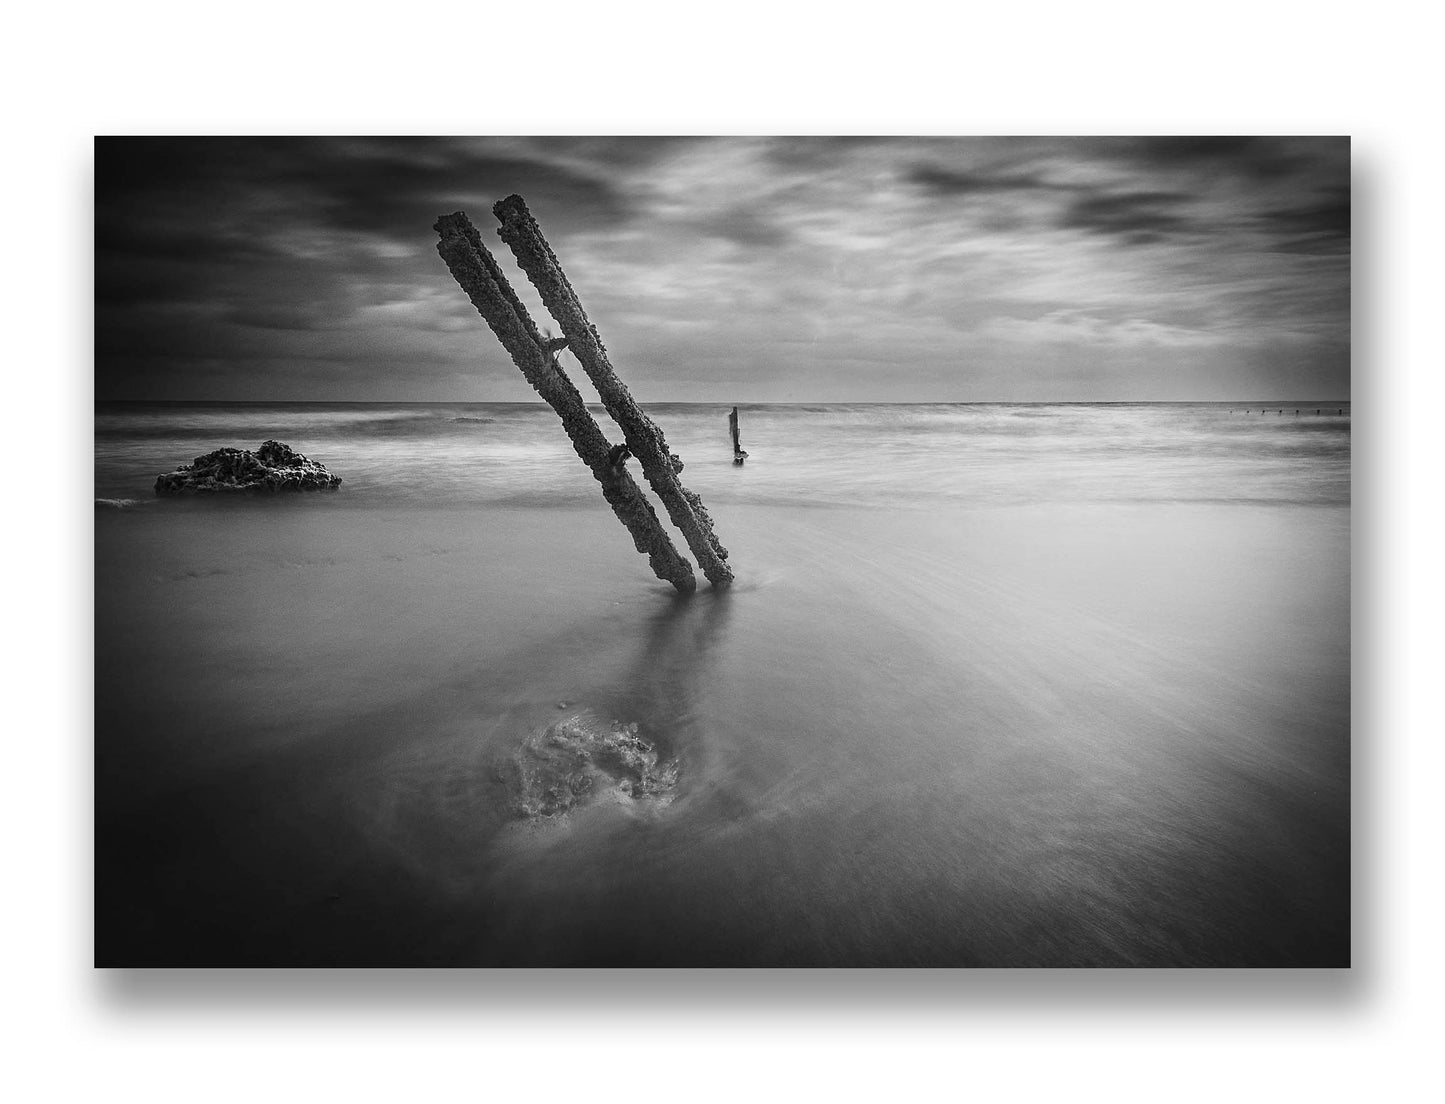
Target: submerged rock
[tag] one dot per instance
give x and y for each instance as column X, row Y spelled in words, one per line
column 564, row 764
column 272, row 467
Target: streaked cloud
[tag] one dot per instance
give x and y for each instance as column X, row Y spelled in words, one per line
column 735, row 269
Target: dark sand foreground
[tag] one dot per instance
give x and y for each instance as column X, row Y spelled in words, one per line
column 1032, row 736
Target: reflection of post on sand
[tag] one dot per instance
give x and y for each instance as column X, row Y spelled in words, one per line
column 666, row 676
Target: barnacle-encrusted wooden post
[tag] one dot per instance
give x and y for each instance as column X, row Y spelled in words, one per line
column 520, row 231
column 475, row 269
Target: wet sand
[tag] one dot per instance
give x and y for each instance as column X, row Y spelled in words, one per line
column 1044, row 735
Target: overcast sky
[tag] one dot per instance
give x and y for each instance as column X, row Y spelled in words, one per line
column 735, row 269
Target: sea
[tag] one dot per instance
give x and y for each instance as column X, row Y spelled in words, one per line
column 1043, row 685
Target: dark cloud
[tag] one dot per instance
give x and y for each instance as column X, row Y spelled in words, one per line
column 281, row 316
column 175, row 236
column 1255, row 157
column 621, row 152
column 202, row 197
column 169, row 222
column 145, row 168
column 389, row 190
column 1137, row 218
column 1197, row 147
column 948, row 182
column 1321, row 226
column 269, row 237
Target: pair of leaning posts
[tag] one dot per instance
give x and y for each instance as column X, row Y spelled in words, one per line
column 476, row 270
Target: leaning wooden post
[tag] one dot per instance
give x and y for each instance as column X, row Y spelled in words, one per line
column 645, row 441
column 475, row 269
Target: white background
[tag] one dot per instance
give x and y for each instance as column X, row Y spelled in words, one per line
column 74, row 1033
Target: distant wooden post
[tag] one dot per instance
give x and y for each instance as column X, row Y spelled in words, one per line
column 738, row 454
column 520, row 231
column 475, row 269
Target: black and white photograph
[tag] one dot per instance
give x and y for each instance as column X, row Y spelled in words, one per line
column 687, row 551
